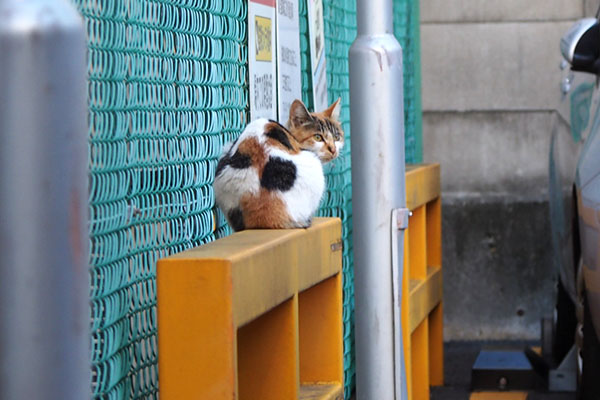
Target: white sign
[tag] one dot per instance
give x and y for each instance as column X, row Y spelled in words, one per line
column 316, row 33
column 289, row 73
column 262, row 59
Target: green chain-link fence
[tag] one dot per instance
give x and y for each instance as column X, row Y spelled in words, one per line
column 167, row 89
column 339, row 17
column 406, row 30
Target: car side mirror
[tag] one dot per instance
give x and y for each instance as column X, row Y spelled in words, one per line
column 580, row 46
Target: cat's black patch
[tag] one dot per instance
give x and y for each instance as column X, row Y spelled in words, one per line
column 222, row 164
column 279, row 174
column 238, row 161
column 236, row 219
column 279, row 133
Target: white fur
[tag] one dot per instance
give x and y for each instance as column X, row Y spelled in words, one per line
column 254, row 129
column 303, row 199
column 233, row 183
column 339, row 145
column 317, row 147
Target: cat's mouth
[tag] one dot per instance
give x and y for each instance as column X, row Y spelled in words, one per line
column 328, row 157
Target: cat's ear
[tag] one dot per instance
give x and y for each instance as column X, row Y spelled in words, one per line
column 334, row 110
column 299, row 115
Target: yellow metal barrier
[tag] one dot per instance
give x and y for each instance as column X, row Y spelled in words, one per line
column 422, row 322
column 255, row 315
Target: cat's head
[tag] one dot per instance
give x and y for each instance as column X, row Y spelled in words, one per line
column 319, row 132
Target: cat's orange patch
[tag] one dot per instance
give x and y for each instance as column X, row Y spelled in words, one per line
column 276, row 143
column 265, row 210
column 252, row 148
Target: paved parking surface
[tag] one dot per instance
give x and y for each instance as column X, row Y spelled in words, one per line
column 458, row 359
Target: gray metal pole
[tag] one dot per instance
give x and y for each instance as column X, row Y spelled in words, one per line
column 375, row 18
column 378, row 198
column 44, row 277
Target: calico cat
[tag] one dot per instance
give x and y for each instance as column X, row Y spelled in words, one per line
column 272, row 175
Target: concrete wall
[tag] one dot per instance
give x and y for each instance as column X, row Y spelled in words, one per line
column 490, row 84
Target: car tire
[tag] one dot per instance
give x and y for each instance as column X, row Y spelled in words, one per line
column 589, row 384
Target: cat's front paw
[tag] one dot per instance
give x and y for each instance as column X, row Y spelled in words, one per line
column 307, row 224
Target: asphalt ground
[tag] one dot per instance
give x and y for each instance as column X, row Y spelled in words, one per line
column 458, row 360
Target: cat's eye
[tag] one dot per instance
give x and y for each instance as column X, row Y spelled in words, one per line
column 318, row 138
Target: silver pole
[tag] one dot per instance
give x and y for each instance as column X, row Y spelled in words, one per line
column 375, row 18
column 44, row 281
column 378, row 198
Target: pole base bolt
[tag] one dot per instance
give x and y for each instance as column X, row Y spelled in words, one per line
column 502, row 383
